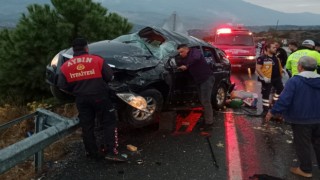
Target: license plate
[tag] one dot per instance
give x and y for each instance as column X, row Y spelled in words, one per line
column 235, row 65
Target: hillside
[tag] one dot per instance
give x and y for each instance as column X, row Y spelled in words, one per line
column 200, row 14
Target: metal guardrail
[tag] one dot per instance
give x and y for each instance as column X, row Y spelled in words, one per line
column 49, row 128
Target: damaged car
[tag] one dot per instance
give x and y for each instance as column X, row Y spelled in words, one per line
column 146, row 79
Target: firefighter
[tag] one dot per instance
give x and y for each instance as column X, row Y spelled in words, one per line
column 307, row 49
column 86, row 77
column 269, row 71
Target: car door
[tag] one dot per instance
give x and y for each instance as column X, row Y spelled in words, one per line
column 183, row 91
column 213, row 59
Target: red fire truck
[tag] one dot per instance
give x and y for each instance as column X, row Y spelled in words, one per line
column 238, row 44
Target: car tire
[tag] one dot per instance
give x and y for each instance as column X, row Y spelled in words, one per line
column 219, row 97
column 60, row 95
column 139, row 118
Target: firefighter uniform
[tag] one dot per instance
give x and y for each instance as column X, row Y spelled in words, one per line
column 271, row 69
column 86, row 77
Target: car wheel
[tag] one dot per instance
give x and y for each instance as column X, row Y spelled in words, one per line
column 60, row 95
column 139, row 118
column 219, row 98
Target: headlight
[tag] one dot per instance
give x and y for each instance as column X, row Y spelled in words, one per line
column 54, row 61
column 135, row 101
column 251, row 57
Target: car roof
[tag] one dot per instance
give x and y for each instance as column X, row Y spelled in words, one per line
column 174, row 36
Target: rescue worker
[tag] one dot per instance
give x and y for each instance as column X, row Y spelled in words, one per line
column 86, row 77
column 281, row 53
column 193, row 61
column 298, row 103
column 293, row 46
column 307, row 49
column 269, row 70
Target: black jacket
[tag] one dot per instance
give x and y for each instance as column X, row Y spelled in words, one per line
column 282, row 55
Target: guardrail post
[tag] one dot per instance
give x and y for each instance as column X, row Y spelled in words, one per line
column 39, row 156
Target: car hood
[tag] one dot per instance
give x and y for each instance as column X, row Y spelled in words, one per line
column 120, row 55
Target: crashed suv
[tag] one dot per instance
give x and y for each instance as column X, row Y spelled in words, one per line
column 146, row 79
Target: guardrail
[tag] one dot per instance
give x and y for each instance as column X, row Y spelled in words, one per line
column 49, row 127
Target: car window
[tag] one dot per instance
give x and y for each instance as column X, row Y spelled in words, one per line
column 210, row 55
column 162, row 50
column 234, row 39
column 156, row 48
column 222, row 56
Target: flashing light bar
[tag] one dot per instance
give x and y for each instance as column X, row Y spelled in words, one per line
column 224, row 31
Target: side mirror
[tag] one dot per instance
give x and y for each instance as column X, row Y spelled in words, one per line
column 172, row 62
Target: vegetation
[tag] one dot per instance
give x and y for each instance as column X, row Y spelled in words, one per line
column 24, row 53
column 54, row 152
column 41, row 33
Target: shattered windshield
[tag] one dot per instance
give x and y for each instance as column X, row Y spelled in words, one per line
column 234, row 39
column 154, row 48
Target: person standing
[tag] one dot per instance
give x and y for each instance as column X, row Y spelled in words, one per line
column 193, row 61
column 293, row 46
column 281, row 54
column 299, row 104
column 307, row 49
column 269, row 72
column 86, row 77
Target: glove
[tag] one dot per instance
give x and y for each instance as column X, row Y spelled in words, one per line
column 266, row 80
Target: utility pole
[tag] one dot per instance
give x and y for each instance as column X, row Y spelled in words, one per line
column 174, row 20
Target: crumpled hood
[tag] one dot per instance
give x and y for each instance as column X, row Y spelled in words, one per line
column 123, row 56
column 312, row 79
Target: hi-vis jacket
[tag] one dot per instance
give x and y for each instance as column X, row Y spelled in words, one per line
column 85, row 74
column 292, row 62
column 267, row 63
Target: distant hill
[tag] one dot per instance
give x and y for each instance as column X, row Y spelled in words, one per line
column 206, row 13
column 199, row 14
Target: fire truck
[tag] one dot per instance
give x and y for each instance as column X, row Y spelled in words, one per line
column 238, row 44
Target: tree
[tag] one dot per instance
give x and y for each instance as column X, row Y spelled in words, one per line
column 43, row 32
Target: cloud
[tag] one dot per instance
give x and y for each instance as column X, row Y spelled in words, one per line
column 289, row 6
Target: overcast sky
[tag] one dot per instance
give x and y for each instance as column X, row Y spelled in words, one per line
column 290, row 6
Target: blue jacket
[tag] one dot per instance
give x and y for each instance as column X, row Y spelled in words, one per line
column 299, row 102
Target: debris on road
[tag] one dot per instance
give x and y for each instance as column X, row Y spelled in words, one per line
column 220, row 144
column 139, row 161
column 289, row 141
column 124, row 155
column 240, row 97
column 132, row 148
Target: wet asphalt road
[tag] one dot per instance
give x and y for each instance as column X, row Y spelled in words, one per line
column 165, row 156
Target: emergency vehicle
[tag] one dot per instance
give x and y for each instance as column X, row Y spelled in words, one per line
column 238, row 44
